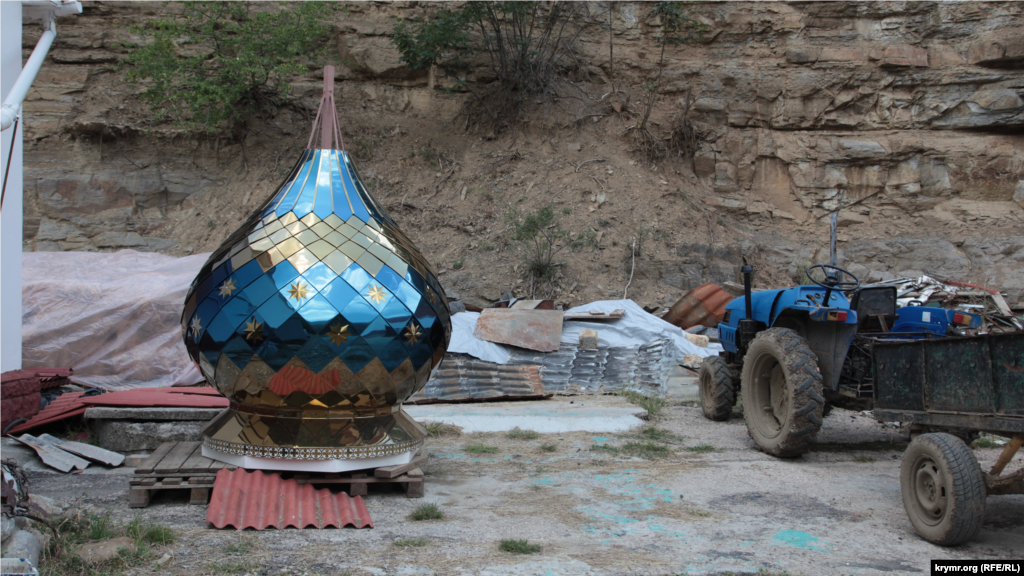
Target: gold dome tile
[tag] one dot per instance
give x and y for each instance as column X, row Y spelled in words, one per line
column 302, row 260
column 320, row 248
column 307, row 237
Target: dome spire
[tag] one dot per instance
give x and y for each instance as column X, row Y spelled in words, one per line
column 326, row 122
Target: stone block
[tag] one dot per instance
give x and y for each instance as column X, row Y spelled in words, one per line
column 588, row 340
column 130, row 436
column 1018, row 193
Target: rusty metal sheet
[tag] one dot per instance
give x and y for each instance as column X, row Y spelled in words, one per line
column 539, row 330
column 703, row 305
column 21, row 391
column 259, row 500
column 463, row 379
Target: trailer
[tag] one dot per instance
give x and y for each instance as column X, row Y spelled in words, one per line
column 948, row 390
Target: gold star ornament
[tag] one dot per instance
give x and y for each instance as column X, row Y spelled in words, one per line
column 227, row 287
column 338, row 333
column 413, row 334
column 376, row 294
column 196, row 327
column 253, row 330
column 298, row 290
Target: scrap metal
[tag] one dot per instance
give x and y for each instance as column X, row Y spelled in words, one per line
column 701, row 306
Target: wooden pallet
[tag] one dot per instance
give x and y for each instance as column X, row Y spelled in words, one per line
column 409, row 476
column 175, row 466
column 182, row 466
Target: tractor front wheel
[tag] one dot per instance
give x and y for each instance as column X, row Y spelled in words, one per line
column 717, row 388
column 781, row 389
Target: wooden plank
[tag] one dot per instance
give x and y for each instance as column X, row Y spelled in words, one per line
column 176, row 457
column 196, row 463
column 1001, row 304
column 391, row 471
column 94, row 453
column 150, row 464
column 594, row 315
column 53, row 456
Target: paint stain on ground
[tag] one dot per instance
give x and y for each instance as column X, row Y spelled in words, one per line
column 798, row 539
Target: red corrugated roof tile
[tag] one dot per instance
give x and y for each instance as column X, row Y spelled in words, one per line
column 64, row 406
column 260, row 500
column 152, row 397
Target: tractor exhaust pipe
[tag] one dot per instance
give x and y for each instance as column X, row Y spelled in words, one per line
column 747, row 327
column 747, row 271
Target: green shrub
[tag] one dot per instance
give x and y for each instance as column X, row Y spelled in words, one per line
column 217, row 63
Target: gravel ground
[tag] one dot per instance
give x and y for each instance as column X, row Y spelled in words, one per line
column 712, row 505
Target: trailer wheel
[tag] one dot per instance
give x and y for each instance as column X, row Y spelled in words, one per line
column 781, row 389
column 943, row 489
column 717, row 388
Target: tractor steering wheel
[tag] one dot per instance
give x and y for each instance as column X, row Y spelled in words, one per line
column 831, row 281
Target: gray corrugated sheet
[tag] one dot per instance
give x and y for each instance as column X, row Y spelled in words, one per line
column 607, row 369
column 462, row 378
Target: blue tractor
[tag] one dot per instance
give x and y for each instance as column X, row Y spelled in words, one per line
column 793, row 353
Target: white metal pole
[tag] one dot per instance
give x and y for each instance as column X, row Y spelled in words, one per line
column 10, row 219
column 28, row 74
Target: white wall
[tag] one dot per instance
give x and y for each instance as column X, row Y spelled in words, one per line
column 11, row 217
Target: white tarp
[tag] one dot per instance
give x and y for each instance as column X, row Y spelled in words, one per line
column 465, row 342
column 636, row 327
column 114, row 318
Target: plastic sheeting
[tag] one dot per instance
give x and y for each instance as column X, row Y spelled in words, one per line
column 115, row 318
column 463, row 340
column 636, row 327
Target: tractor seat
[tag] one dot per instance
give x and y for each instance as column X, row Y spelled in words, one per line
column 876, row 308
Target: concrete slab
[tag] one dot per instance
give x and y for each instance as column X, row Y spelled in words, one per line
column 152, row 414
column 131, row 436
column 584, row 415
column 682, row 385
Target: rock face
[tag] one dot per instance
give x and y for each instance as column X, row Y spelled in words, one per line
column 883, row 111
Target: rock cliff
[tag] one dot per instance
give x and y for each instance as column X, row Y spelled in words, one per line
column 906, row 118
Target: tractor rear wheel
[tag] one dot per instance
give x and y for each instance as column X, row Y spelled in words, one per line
column 943, row 489
column 781, row 390
column 717, row 388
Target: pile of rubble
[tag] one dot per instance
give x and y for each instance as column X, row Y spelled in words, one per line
column 937, row 292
